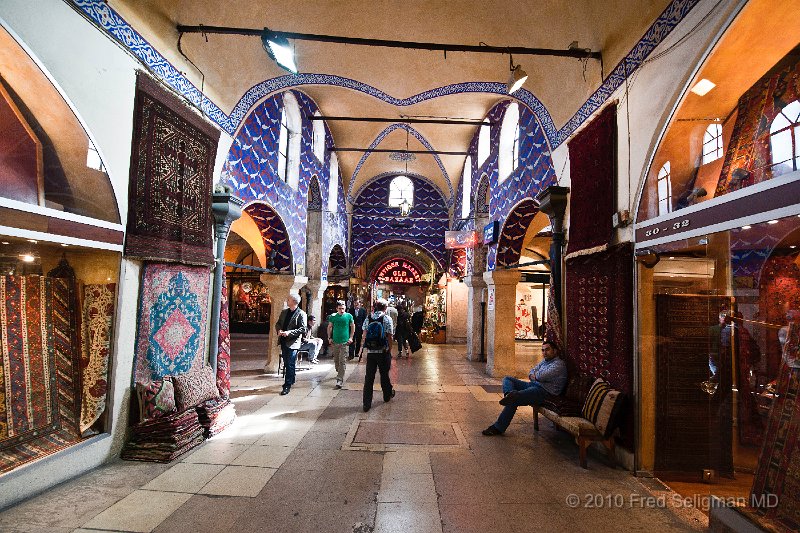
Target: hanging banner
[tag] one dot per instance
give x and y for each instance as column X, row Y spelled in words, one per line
column 454, row 240
column 398, row 271
column 491, row 232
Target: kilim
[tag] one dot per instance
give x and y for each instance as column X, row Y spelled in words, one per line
column 164, row 439
column 172, row 163
column 172, row 321
column 216, row 415
column 224, row 345
column 98, row 314
column 38, row 400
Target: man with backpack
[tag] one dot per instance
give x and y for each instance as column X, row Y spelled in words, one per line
column 378, row 332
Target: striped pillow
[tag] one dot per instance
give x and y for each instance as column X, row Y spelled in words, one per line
column 602, row 406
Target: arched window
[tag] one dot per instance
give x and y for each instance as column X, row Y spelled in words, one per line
column 318, row 140
column 784, row 143
column 289, row 141
column 712, row 143
column 401, row 188
column 484, row 146
column 664, row 190
column 333, row 185
column 466, row 188
column 508, row 156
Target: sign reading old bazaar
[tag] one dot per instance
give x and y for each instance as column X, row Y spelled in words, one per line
column 398, row 271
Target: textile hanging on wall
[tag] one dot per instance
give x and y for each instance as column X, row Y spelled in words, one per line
column 599, row 299
column 98, row 315
column 172, row 163
column 38, row 370
column 172, row 321
column 778, row 471
column 224, row 344
column 523, row 322
column 592, row 167
column 553, row 331
column 749, row 149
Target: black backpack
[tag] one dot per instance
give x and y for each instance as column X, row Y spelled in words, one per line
column 375, row 338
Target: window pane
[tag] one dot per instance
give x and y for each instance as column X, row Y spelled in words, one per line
column 781, row 144
column 401, row 188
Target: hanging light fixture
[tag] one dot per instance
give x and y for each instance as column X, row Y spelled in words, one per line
column 405, row 208
column 517, row 78
column 278, row 48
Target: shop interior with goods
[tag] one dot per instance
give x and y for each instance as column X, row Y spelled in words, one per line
column 60, row 244
column 719, row 311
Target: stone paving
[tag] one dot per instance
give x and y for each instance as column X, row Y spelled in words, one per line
column 295, row 463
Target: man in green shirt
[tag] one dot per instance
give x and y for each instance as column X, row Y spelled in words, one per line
column 341, row 328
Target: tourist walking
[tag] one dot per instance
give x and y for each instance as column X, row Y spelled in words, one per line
column 341, row 328
column 403, row 332
column 359, row 316
column 378, row 343
column 290, row 328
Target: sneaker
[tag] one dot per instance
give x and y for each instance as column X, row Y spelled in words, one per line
column 338, row 385
column 492, row 431
column 315, row 361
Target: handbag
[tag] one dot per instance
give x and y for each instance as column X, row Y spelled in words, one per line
column 414, row 343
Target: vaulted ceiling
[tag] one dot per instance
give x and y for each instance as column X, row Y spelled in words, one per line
column 232, row 65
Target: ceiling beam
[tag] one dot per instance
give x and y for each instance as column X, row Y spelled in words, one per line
column 573, row 52
column 464, row 122
column 390, row 151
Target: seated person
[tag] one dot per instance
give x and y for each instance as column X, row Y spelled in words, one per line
column 548, row 378
column 310, row 342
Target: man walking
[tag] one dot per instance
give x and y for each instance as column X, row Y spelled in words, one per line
column 290, row 327
column 378, row 343
column 341, row 328
column 548, row 378
column 359, row 316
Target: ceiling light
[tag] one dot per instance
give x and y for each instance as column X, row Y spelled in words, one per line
column 33, row 241
column 278, row 48
column 702, row 87
column 772, row 222
column 28, row 258
column 746, row 227
column 64, row 244
column 517, row 78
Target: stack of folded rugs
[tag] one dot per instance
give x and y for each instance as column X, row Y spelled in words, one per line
column 216, row 415
column 163, row 439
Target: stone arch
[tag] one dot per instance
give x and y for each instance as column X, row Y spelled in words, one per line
column 277, row 245
column 512, row 236
column 388, row 242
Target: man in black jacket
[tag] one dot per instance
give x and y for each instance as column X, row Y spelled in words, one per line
column 359, row 316
column 290, row 327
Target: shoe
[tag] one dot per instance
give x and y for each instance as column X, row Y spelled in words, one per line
column 391, row 395
column 351, row 357
column 315, row 361
column 285, row 391
column 366, row 408
column 509, row 399
column 492, row 431
column 337, row 386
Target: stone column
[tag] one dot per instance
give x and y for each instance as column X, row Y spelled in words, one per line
column 279, row 285
column 500, row 309
column 317, row 288
column 474, row 323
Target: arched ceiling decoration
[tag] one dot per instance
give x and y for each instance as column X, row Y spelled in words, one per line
column 397, row 247
column 274, row 235
column 390, row 82
column 512, row 235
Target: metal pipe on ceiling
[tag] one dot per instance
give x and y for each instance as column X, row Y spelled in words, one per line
column 460, row 122
column 390, row 151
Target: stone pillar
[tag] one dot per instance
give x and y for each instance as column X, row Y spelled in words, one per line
column 500, row 310
column 279, row 285
column 475, row 328
column 317, row 289
column 314, row 259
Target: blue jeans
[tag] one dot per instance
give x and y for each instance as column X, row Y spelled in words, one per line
column 289, row 359
column 530, row 393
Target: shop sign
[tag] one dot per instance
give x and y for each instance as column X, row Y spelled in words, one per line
column 490, row 232
column 398, row 271
column 490, row 299
column 460, row 239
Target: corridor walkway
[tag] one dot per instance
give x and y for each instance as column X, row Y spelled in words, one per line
column 312, row 461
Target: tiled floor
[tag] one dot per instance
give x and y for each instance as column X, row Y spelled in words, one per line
column 287, row 465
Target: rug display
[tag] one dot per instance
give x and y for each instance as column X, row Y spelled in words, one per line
column 523, row 322
column 98, row 316
column 172, row 163
column 778, row 471
column 172, row 321
column 164, row 439
column 598, row 301
column 216, row 416
column 38, row 370
column 592, row 167
column 224, row 344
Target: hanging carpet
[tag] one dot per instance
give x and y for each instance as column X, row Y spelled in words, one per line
column 592, row 167
column 98, row 314
column 172, row 321
column 172, row 163
column 38, row 371
column 224, row 344
column 599, row 340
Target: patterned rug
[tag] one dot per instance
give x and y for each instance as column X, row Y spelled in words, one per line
column 598, row 301
column 172, row 321
column 172, row 163
column 592, row 165
column 98, row 314
column 38, row 400
column 224, row 345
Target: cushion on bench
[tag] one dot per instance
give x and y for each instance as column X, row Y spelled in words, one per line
column 571, row 402
column 577, row 425
column 602, row 407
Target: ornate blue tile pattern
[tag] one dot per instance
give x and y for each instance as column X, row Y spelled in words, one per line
column 373, row 223
column 273, row 233
column 382, row 135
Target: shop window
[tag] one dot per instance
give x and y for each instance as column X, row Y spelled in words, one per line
column 466, row 187
column 783, row 140
column 333, row 185
column 712, row 143
column 318, row 141
column 508, row 156
column 289, row 142
column 483, row 143
column 401, row 189
column 664, row 190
